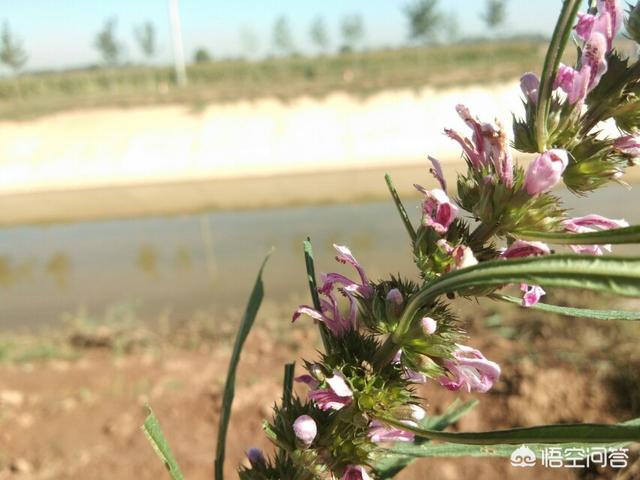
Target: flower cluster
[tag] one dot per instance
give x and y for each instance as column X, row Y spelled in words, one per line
column 382, row 338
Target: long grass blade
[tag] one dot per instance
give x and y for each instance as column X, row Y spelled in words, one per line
column 153, row 432
column 229, row 389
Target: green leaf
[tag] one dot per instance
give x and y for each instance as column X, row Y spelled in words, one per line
column 497, row 450
column 313, row 289
column 393, row 463
column 229, row 388
column 574, row 312
column 616, row 275
column 153, row 432
column 287, row 383
column 552, row 434
column 614, row 236
column 401, row 210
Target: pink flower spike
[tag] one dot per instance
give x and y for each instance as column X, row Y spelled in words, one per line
column 529, row 84
column 355, row 472
column 545, row 171
column 438, row 211
column 523, row 248
column 585, row 25
column 469, row 370
column 532, row 294
column 305, row 429
column 379, row 433
column 436, row 171
column 429, row 325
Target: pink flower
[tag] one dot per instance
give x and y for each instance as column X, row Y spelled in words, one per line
column 336, row 397
column 609, row 20
column 532, row 294
column 429, row 325
column 438, row 211
column 469, row 370
column 408, row 374
column 545, row 171
column 355, row 472
column 305, row 429
column 592, row 223
column 523, row 248
column 346, row 257
column 488, row 146
column 628, row 145
column 379, row 433
column 463, row 257
column 436, row 171
column 585, row 25
column 529, row 84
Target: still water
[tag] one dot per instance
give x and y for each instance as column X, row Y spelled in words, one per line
column 206, row 263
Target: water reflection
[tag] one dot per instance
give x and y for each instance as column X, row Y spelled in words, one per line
column 59, row 267
column 203, row 263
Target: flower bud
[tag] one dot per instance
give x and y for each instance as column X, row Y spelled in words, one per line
column 428, row 325
column 632, row 23
column 256, row 458
column 355, row 472
column 394, row 296
column 529, row 84
column 411, row 412
column 545, row 171
column 305, row 429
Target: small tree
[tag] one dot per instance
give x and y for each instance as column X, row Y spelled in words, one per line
column 106, row 43
column 12, row 53
column 424, row 20
column 495, row 13
column 201, row 55
column 282, row 36
column 146, row 37
column 352, row 29
column 319, row 35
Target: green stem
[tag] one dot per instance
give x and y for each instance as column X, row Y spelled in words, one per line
column 401, row 209
column 558, row 43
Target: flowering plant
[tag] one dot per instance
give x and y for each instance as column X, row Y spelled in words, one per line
column 361, row 417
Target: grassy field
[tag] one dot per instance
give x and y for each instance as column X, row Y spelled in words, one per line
column 360, row 73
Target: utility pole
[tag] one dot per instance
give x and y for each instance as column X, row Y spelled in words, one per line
column 178, row 50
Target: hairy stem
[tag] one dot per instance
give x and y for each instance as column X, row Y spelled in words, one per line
column 558, row 43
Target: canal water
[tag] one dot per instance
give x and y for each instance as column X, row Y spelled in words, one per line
column 202, row 264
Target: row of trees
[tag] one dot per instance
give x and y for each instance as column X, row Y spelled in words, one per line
column 426, row 23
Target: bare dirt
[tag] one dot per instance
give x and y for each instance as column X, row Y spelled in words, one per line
column 79, row 416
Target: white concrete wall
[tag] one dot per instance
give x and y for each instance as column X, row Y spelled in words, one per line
column 107, row 147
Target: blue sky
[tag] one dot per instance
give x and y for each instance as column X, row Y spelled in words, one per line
column 60, row 33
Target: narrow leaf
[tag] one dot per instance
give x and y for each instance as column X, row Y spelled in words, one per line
column 287, row 383
column 153, row 432
column 390, row 465
column 615, row 275
column 562, row 433
column 401, row 210
column 229, row 389
column 313, row 289
column 497, row 450
column 574, row 312
column 614, row 236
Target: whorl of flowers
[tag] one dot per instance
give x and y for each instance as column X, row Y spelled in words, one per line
column 380, row 341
